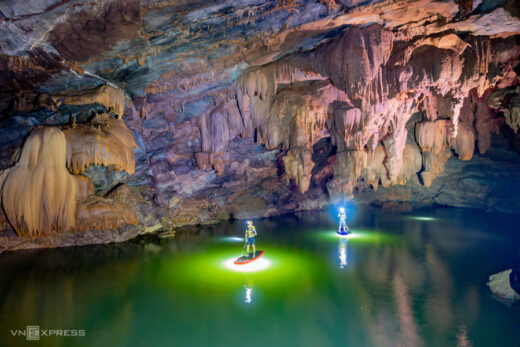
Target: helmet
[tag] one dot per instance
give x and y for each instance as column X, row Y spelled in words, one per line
column 341, row 209
column 250, row 222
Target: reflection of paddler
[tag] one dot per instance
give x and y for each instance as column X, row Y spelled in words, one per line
column 343, row 252
column 250, row 237
column 248, row 287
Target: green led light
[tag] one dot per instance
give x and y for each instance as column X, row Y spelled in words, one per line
column 214, row 268
column 258, row 265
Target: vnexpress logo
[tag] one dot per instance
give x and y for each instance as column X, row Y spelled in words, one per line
column 34, row 332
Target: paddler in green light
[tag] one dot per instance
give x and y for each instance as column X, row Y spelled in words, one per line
column 250, row 236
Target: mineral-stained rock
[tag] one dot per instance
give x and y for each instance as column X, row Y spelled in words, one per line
column 512, row 115
column 431, row 135
column 434, row 164
column 111, row 212
column 298, row 166
column 225, row 110
column 375, row 170
column 105, row 140
column 340, row 189
column 219, row 160
column 347, row 169
column 202, row 160
column 41, row 197
column 465, row 142
column 110, row 97
column 38, row 193
column 412, row 163
column 394, row 145
column 369, row 48
column 101, row 214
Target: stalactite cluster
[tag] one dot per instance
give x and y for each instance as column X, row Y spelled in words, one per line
column 173, row 113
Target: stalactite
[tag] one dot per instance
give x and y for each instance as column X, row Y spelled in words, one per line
column 104, row 141
column 368, row 49
column 298, row 166
column 39, row 194
column 512, row 117
column 485, row 125
column 347, row 169
column 111, row 97
column 375, row 170
column 395, row 145
column 412, row 163
column 434, row 165
column 465, row 142
column 431, row 136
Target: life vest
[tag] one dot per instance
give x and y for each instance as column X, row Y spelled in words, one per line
column 342, row 216
column 251, row 231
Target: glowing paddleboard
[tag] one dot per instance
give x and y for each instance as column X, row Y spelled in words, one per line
column 248, row 258
column 343, row 232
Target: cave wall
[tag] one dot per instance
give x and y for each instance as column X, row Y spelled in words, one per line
column 175, row 114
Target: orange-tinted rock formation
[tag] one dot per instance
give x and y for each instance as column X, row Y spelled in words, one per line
column 38, row 193
column 208, row 111
column 103, row 141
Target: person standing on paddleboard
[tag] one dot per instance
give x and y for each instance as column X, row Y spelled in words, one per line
column 250, row 236
column 343, row 228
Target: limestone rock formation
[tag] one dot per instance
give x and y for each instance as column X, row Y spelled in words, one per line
column 104, row 140
column 207, row 111
column 38, row 193
column 500, row 285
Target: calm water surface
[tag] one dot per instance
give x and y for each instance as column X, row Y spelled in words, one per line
column 410, row 279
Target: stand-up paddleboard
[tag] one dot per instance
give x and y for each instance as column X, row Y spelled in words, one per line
column 248, row 258
column 343, row 231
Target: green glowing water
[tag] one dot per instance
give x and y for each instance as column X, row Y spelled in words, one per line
column 400, row 279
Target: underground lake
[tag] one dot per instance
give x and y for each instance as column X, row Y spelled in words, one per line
column 400, row 278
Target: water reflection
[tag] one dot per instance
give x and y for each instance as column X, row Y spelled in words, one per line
column 343, row 252
column 248, row 294
column 409, row 284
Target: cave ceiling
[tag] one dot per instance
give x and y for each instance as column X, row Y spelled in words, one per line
column 182, row 49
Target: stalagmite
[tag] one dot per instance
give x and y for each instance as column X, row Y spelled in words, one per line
column 39, row 194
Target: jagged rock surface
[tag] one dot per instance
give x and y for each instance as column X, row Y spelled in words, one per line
column 188, row 113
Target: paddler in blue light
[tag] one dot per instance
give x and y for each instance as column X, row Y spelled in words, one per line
column 250, row 236
column 343, row 228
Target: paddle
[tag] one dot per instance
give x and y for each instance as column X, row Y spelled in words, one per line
column 245, row 243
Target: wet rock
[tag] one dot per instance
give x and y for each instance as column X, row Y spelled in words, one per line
column 500, row 285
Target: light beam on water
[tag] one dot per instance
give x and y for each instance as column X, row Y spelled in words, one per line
column 255, row 266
